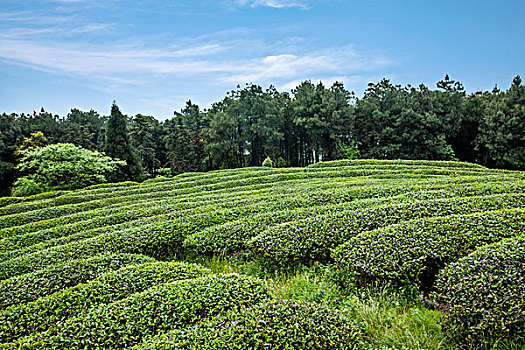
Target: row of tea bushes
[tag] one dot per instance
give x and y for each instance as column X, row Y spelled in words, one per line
column 161, row 239
column 115, row 205
column 79, row 235
column 93, row 199
column 405, row 162
column 233, row 236
column 102, row 191
column 207, row 216
column 415, row 251
column 89, row 199
column 29, row 287
column 313, row 238
column 38, row 316
column 113, row 216
column 160, row 309
column 269, row 325
column 312, row 194
column 484, row 295
column 5, row 201
column 143, row 203
column 165, row 238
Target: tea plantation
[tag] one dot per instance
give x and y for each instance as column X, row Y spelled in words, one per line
column 360, row 254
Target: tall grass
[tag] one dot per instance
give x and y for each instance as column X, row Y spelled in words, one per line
column 388, row 320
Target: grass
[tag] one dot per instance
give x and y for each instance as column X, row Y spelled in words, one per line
column 388, row 320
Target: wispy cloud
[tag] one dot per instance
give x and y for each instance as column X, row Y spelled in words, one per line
column 275, row 3
column 125, row 65
column 329, row 61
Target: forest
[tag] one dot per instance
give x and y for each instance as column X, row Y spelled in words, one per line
column 312, row 123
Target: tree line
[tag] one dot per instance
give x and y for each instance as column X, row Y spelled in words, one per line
column 312, row 123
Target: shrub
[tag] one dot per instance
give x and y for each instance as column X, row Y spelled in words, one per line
column 415, row 251
column 164, row 172
column 66, row 165
column 267, row 163
column 24, row 187
column 37, row 316
column 273, row 325
column 281, row 162
column 379, row 162
column 484, row 295
column 31, row 286
column 313, row 238
column 160, row 309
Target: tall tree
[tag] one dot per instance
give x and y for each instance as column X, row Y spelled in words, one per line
column 143, row 140
column 501, row 137
column 118, row 145
column 10, row 136
column 84, row 129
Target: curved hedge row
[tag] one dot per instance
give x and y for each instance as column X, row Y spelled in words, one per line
column 63, row 226
column 115, row 189
column 9, row 201
column 415, row 251
column 406, row 162
column 31, row 286
column 172, row 188
column 484, row 295
column 37, row 316
column 273, row 325
column 162, row 308
column 79, row 235
column 327, row 193
column 233, row 236
column 153, row 191
column 313, row 238
column 141, row 202
column 165, row 238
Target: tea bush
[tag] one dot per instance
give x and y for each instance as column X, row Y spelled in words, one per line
column 484, row 295
column 274, row 325
column 162, row 308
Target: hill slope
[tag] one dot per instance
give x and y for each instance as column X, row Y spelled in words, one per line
column 88, row 268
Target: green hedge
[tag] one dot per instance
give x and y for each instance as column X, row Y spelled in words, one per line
column 159, row 309
column 37, row 316
column 484, row 295
column 31, row 286
column 89, row 200
column 313, row 238
column 233, row 236
column 53, row 215
column 77, row 235
column 310, row 194
column 405, row 162
column 143, row 202
column 270, row 325
column 164, row 238
column 415, row 251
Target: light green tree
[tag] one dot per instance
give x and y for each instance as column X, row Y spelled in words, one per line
column 65, row 166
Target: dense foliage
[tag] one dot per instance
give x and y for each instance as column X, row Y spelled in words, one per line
column 351, row 252
column 484, row 294
column 284, row 325
column 312, row 123
column 63, row 165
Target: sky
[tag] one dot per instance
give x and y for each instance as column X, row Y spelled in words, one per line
column 152, row 56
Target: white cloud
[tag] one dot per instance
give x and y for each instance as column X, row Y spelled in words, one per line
column 136, row 64
column 275, row 3
column 287, row 66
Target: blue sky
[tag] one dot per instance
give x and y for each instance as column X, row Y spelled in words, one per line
column 152, row 56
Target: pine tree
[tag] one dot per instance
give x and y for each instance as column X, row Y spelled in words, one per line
column 118, row 145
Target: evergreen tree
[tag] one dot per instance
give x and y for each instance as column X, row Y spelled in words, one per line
column 141, row 132
column 118, row 145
